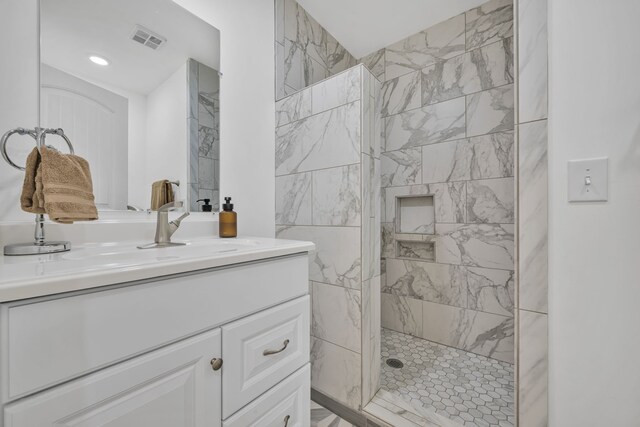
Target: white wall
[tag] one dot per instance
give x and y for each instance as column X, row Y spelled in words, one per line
column 167, row 146
column 594, row 290
column 18, row 94
column 247, row 108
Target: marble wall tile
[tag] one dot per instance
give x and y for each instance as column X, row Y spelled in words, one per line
column 303, row 30
column 337, row 58
column 441, row 41
column 293, row 108
column 336, row 315
column 375, row 63
column 336, row 372
column 387, row 248
column 441, row 283
column 448, row 200
column 192, row 126
column 420, row 250
column 491, row 201
column 293, row 67
column 427, row 125
column 482, row 157
column 533, row 216
column 489, row 22
column 533, row 80
column 206, row 175
column 192, row 84
column 325, row 140
column 533, row 370
column 491, row 291
column 477, row 245
column 279, row 20
column 401, row 314
column 402, row 167
column 373, row 354
column 481, row 69
column 401, row 94
column 490, row 111
column 492, row 156
column 206, row 140
column 280, row 87
column 341, row 89
column 293, row 199
column 481, row 333
column 337, row 258
column 336, row 196
column 447, row 161
column 313, row 71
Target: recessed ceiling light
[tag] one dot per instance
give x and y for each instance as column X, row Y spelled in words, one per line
column 98, row 60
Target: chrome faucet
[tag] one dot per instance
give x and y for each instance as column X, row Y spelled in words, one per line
column 164, row 228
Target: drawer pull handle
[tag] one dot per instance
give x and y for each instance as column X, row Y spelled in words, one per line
column 286, row 420
column 216, row 364
column 270, row 352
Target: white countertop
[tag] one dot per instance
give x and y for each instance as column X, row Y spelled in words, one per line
column 93, row 265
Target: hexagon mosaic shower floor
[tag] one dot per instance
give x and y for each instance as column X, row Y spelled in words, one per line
column 467, row 388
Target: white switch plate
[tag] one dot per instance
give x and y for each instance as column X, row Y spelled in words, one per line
column 588, row 180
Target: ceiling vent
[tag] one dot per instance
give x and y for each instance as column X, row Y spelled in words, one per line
column 147, row 37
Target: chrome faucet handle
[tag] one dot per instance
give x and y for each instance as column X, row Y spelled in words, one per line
column 171, row 206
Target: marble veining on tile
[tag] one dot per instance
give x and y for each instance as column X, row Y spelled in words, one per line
column 427, row 125
column 533, row 369
column 492, row 156
column 336, row 315
column 489, row 22
column 402, row 167
column 441, row 41
column 336, row 196
column 444, row 284
column 480, row 69
column 335, row 371
column 476, row 245
column 339, row 90
column 328, row 139
column 482, row 333
column 337, row 258
column 293, row 199
column 468, row 389
column 375, row 63
column 491, row 201
column 533, row 216
column 490, row 290
column 401, row 314
column 490, row 111
column 293, row 108
column 401, row 94
column 533, row 60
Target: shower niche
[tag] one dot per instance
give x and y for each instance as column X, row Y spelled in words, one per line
column 415, row 227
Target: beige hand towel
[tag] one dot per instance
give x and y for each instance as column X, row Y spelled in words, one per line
column 31, row 199
column 61, row 187
column 161, row 194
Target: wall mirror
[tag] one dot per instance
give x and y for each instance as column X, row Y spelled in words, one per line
column 134, row 84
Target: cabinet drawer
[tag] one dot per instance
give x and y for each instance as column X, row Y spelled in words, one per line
column 47, row 342
column 287, row 404
column 169, row 387
column 261, row 350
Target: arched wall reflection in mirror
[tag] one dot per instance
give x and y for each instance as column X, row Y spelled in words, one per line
column 135, row 86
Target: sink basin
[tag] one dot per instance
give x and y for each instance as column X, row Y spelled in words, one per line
column 119, row 253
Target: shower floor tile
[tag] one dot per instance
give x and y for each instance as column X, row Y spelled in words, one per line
column 467, row 388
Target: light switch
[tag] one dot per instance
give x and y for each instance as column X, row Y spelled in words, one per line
column 588, row 180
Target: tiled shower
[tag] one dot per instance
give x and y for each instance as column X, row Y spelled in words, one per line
column 447, row 218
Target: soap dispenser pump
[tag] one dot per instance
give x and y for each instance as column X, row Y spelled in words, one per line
column 228, row 220
column 206, row 207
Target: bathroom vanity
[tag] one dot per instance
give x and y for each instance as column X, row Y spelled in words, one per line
column 215, row 333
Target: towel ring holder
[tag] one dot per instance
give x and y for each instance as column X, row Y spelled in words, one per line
column 39, row 246
column 38, row 134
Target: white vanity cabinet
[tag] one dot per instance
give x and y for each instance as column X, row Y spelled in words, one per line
column 225, row 346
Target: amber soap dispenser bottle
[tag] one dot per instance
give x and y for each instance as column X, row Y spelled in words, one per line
column 228, row 220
